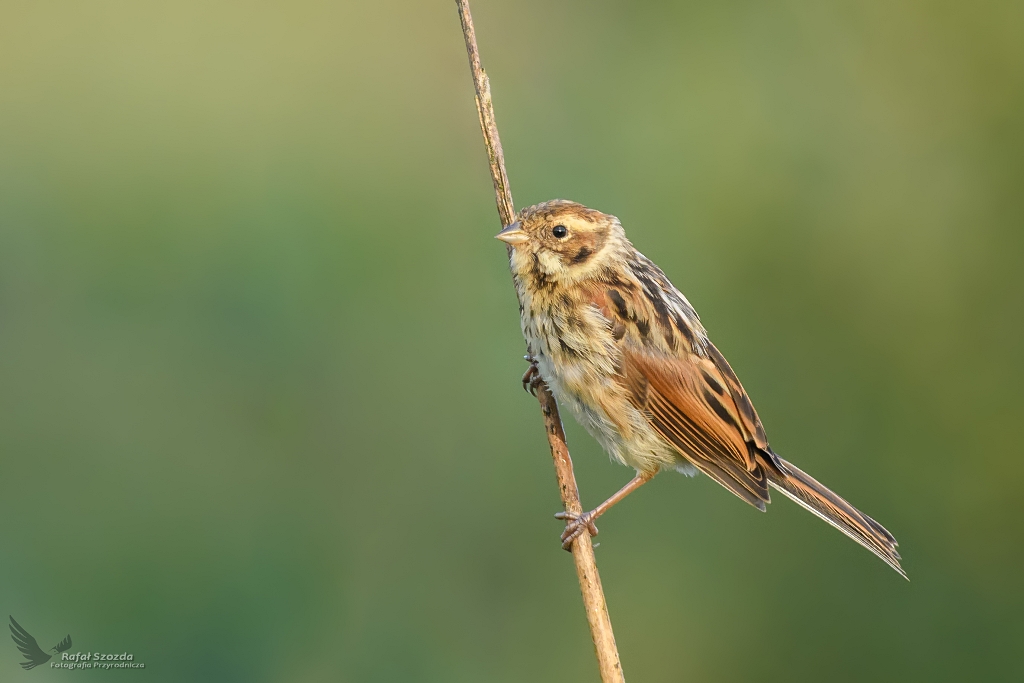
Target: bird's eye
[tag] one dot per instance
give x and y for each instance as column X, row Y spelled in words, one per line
column 559, row 231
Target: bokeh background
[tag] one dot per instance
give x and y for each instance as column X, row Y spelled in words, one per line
column 260, row 413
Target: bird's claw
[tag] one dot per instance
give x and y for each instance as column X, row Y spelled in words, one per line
column 575, row 526
column 531, row 378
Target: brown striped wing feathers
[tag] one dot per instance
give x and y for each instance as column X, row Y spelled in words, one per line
column 689, row 403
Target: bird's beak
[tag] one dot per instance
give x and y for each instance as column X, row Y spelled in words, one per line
column 512, row 234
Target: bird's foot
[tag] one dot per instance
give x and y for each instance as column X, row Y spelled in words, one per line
column 531, row 378
column 575, row 526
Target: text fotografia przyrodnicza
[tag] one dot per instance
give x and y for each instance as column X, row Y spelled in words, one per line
column 97, row 660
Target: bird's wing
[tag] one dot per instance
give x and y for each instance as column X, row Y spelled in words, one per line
column 690, row 402
column 64, row 644
column 683, row 385
column 28, row 646
column 693, row 399
column 753, row 432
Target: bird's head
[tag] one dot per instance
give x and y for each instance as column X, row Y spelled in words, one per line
column 562, row 241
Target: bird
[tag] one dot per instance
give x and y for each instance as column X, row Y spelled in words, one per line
column 28, row 646
column 618, row 344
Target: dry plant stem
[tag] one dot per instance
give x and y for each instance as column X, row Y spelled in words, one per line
column 485, row 110
column 582, row 549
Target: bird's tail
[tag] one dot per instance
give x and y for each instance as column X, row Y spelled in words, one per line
column 807, row 492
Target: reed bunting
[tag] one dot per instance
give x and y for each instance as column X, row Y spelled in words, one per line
column 619, row 345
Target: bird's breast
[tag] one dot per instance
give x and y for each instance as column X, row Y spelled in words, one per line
column 579, row 358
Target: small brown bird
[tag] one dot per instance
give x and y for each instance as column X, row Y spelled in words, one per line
column 619, row 345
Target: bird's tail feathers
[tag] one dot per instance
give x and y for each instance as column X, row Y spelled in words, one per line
column 806, row 491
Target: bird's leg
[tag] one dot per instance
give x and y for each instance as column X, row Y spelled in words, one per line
column 531, row 378
column 577, row 523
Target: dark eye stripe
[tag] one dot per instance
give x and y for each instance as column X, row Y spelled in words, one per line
column 582, row 255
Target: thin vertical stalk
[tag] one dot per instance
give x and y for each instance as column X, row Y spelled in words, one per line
column 582, row 548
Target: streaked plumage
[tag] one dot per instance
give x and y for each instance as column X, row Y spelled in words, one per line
column 619, row 345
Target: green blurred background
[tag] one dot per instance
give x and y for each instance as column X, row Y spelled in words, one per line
column 260, row 413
